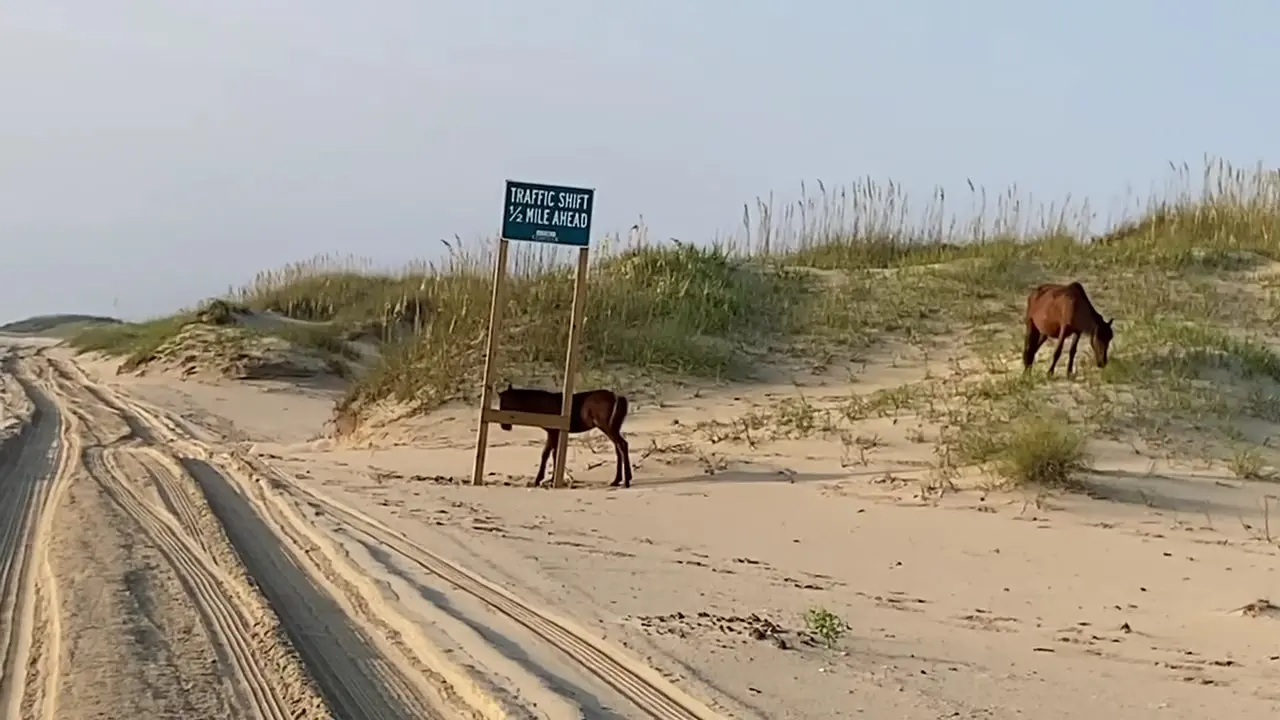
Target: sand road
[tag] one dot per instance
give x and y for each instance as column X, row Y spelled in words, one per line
column 149, row 568
column 123, row 589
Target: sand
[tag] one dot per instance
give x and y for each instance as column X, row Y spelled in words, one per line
column 201, row 549
column 140, row 580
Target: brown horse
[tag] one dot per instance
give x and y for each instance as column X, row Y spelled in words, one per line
column 602, row 409
column 1059, row 311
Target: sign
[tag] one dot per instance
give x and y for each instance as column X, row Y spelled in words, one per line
column 556, row 216
column 547, row 214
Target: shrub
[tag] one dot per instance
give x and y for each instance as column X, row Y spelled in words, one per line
column 1045, row 452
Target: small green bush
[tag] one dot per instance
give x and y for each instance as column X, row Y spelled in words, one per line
column 1044, row 452
column 825, row 625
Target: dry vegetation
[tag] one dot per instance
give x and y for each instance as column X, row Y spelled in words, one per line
column 826, row 280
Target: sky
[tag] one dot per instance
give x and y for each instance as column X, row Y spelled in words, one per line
column 154, row 152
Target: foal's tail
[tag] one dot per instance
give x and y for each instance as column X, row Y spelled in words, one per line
column 619, row 413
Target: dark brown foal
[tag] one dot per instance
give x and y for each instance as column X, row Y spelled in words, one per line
column 602, row 409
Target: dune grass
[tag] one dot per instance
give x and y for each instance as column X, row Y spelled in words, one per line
column 823, row 280
column 133, row 341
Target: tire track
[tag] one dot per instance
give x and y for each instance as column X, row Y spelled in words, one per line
column 237, row 622
column 639, row 683
column 31, row 464
column 174, row 489
column 372, row 689
column 232, row 630
column 165, row 475
column 47, row 665
column 354, row 679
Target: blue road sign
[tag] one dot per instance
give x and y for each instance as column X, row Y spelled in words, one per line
column 547, row 214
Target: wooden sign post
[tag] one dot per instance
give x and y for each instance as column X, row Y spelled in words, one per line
column 542, row 214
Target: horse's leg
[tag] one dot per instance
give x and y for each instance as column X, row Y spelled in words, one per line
column 1057, row 351
column 626, row 460
column 548, row 450
column 1033, row 343
column 617, row 456
column 1071, row 354
column 620, row 452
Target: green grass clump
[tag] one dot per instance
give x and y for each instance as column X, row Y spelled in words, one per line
column 825, row 625
column 1046, row 452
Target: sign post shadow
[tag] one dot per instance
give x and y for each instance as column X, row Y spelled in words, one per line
column 552, row 215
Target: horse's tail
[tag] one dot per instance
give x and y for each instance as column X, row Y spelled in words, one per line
column 619, row 413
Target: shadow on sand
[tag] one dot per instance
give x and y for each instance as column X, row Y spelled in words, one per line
column 727, row 477
column 1187, row 494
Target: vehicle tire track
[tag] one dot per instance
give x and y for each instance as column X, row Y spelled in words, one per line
column 639, row 683
column 232, row 630
column 373, row 689
column 47, row 664
column 163, row 470
column 31, row 464
column 165, row 474
column 268, row 683
column 355, row 680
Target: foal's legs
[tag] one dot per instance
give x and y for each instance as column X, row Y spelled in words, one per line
column 620, row 452
column 1057, row 351
column 626, row 460
column 548, row 450
column 1032, row 346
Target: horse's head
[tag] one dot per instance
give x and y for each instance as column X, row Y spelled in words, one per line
column 1102, row 341
column 503, row 399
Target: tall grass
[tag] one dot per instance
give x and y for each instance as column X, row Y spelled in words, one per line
column 829, row 274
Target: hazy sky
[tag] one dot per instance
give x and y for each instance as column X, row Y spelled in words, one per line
column 153, row 152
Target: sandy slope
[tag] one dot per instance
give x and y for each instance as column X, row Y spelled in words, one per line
column 971, row 605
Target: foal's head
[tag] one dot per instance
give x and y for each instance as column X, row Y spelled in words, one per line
column 1101, row 340
column 503, row 401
